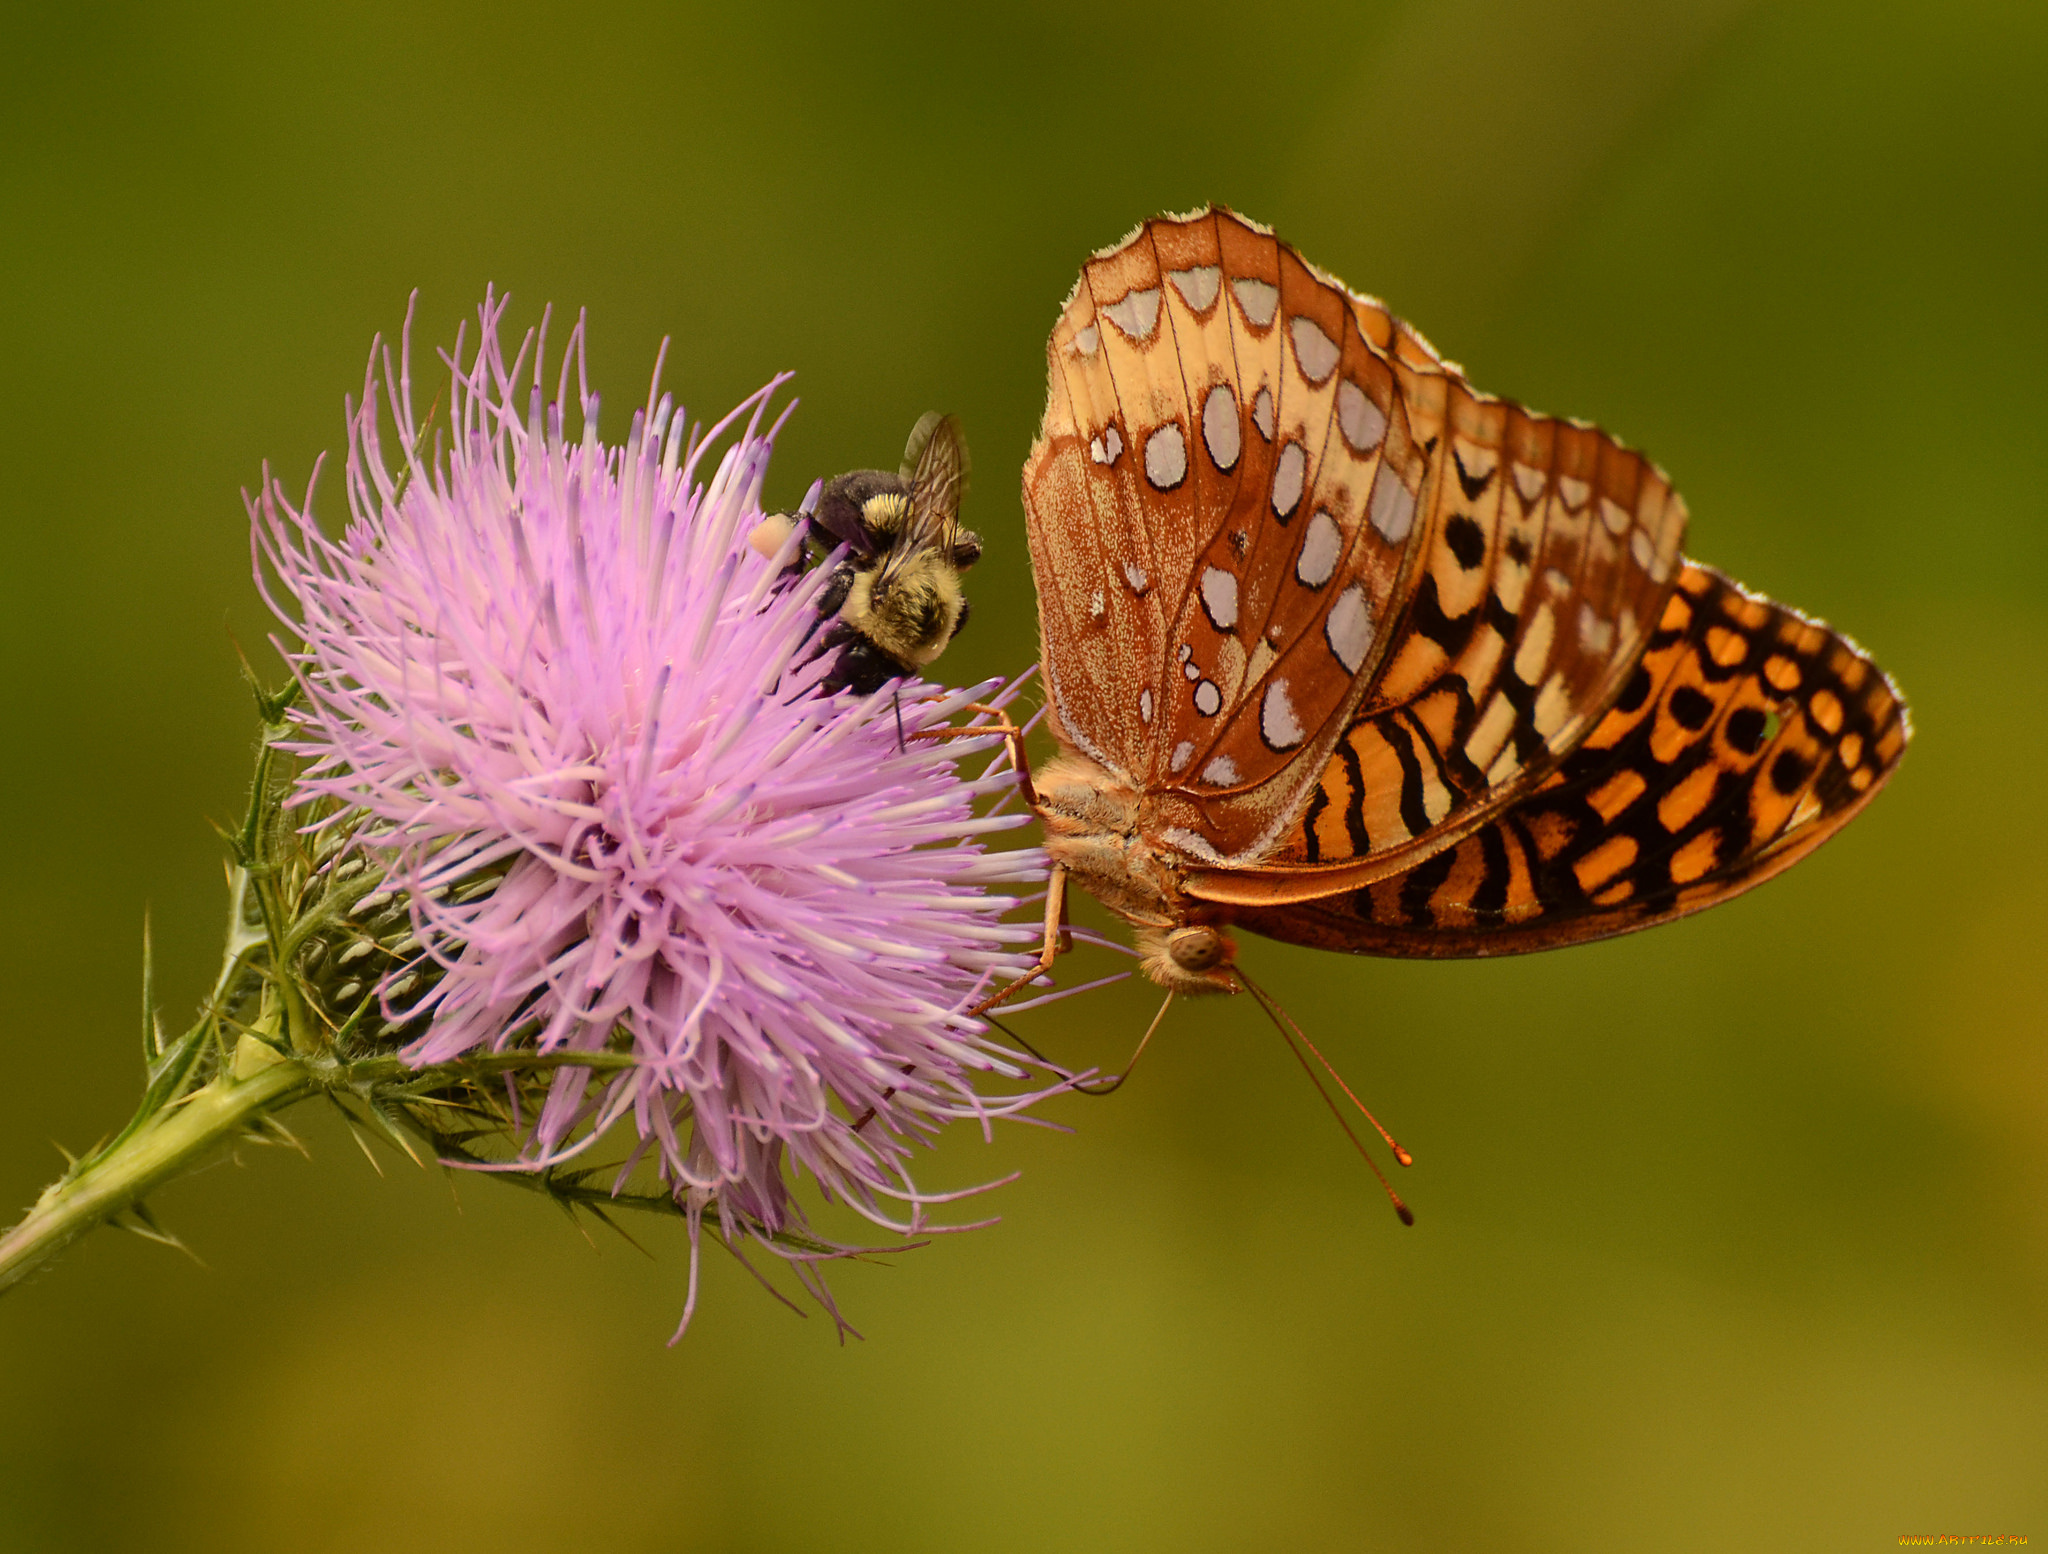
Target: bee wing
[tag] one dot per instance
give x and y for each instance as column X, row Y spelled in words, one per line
column 935, row 464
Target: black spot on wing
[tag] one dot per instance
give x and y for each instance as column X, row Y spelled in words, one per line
column 1490, row 900
column 1422, row 882
column 1449, row 632
column 1692, row 707
column 1789, row 772
column 1471, row 484
column 1500, row 617
column 1466, row 539
column 1636, row 692
column 1521, row 695
column 1413, row 815
column 1746, row 729
column 1312, row 845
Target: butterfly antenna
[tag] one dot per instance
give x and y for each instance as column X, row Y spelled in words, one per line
column 1278, row 1014
column 1110, row 1087
column 1288, row 1031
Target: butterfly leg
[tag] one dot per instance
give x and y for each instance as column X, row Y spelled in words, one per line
column 1008, row 730
column 1058, row 935
column 1057, row 939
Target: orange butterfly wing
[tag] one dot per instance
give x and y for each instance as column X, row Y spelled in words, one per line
column 1746, row 737
column 1362, row 636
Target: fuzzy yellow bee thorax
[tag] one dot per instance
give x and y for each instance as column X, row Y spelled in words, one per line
column 909, row 610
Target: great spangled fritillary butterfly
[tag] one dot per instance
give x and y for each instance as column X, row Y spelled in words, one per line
column 1343, row 651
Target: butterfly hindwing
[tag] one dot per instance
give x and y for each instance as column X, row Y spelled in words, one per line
column 1747, row 735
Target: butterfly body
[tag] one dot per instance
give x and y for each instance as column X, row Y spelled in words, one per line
column 1101, row 833
column 1345, row 652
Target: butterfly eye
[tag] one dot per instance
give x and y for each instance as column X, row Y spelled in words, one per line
column 1196, row 949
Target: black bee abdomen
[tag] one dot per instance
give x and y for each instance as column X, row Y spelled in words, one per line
column 960, row 619
column 862, row 668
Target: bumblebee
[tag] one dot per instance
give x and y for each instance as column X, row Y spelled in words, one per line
column 894, row 600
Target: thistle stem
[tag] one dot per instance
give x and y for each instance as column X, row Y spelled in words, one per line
column 169, row 1144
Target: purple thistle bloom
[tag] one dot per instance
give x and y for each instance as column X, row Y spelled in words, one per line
column 560, row 666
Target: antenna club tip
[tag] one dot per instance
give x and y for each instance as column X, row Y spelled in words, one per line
column 1407, row 1214
column 1403, row 1156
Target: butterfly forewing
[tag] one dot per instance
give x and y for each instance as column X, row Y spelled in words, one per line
column 1090, row 549
column 1746, row 737
column 1223, row 368
column 1316, row 524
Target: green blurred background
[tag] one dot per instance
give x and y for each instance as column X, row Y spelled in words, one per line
column 1732, row 1235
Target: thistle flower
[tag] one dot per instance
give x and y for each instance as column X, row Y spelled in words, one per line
column 569, row 712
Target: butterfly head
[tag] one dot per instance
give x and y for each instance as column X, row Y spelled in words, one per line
column 1192, row 958
column 1097, row 831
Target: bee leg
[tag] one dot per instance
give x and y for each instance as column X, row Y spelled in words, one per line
column 896, row 701
column 836, row 591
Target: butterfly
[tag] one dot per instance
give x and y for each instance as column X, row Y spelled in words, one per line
column 1342, row 651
